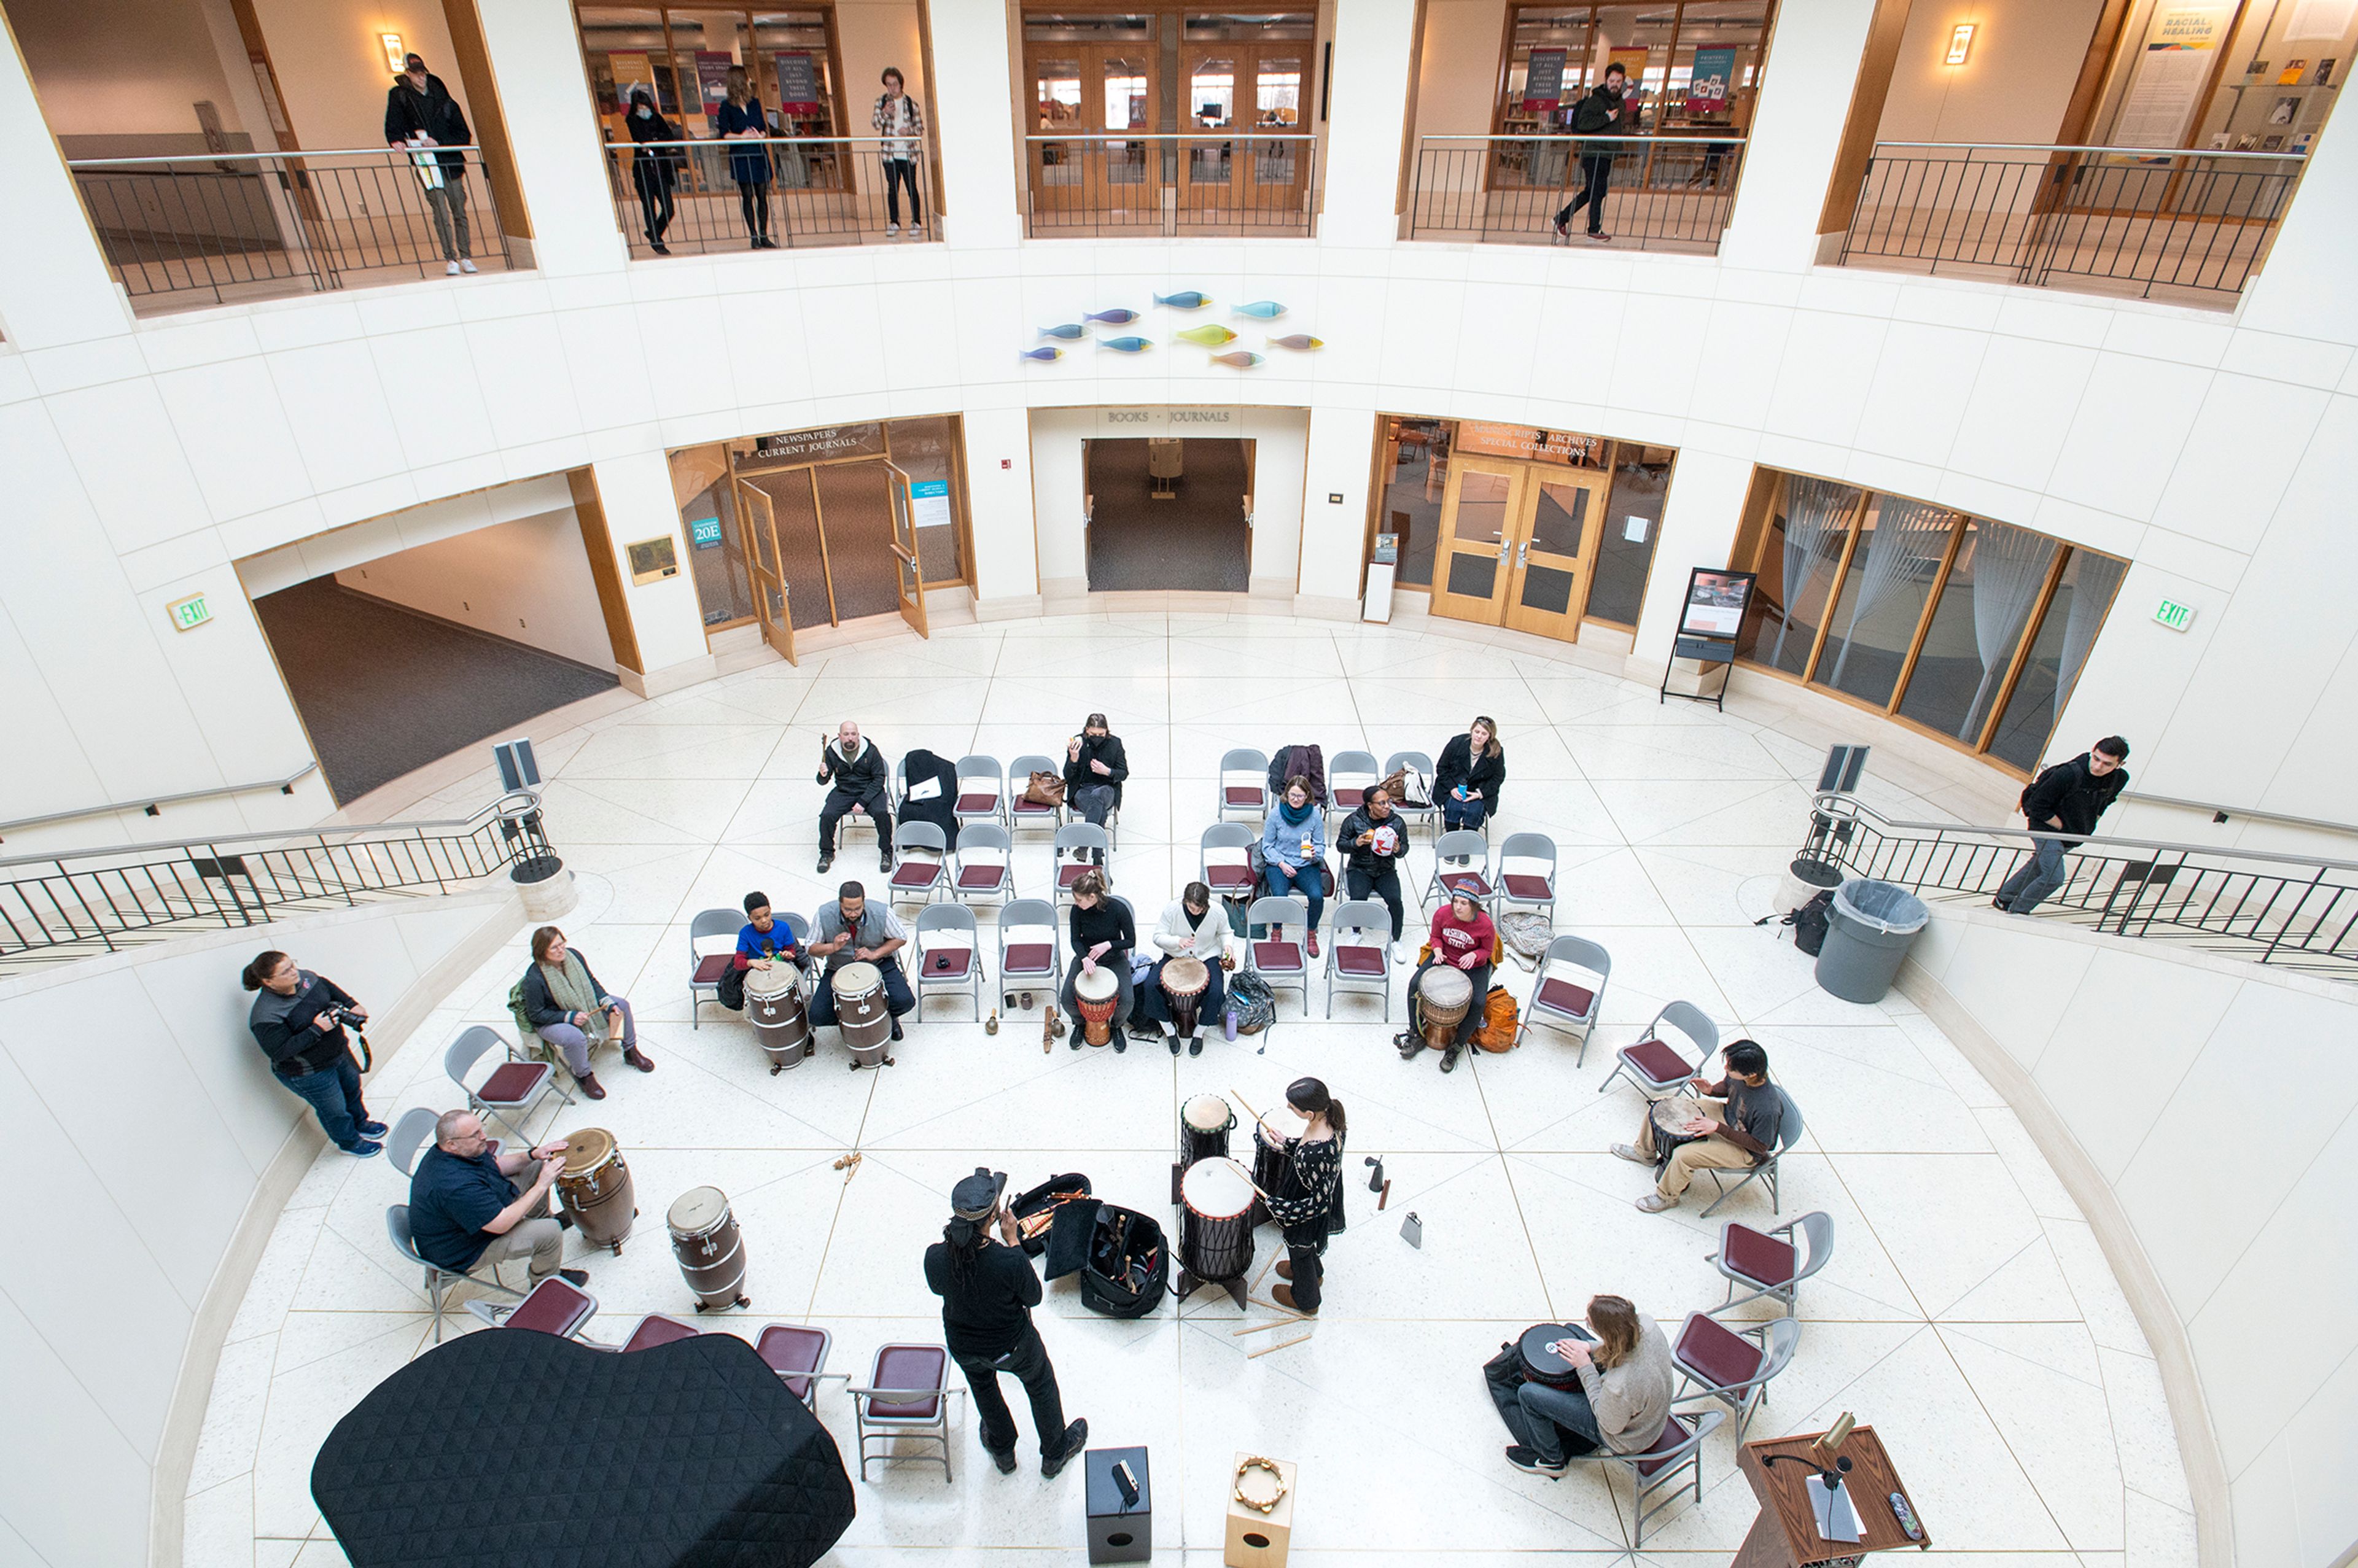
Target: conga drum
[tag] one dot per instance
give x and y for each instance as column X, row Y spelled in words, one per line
column 1670, row 1118
column 1093, row 994
column 1442, row 998
column 1216, row 1240
column 1203, row 1125
column 711, row 1255
column 861, row 1013
column 595, row 1188
column 774, row 1001
column 1183, row 981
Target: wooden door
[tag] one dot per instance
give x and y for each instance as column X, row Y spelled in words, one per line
column 771, row 604
column 1098, row 94
column 1212, row 164
column 1562, row 524
column 1278, row 168
column 909, row 576
column 1474, row 552
column 1126, row 174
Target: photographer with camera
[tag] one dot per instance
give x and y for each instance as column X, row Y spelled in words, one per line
column 298, row 1021
column 987, row 1290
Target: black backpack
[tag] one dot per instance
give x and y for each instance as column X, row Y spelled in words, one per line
column 1809, row 921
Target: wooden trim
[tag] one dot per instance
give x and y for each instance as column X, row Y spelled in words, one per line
column 933, row 92
column 1408, row 112
column 2095, row 68
column 1876, row 63
column 491, row 125
column 1931, row 607
column 2030, row 630
column 590, row 512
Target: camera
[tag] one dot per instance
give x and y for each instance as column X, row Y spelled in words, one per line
column 345, row 1017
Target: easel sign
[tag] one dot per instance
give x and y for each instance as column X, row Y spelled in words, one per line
column 1710, row 616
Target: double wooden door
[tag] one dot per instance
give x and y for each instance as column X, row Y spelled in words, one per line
column 1518, row 544
column 786, row 522
column 1230, row 91
column 1100, row 94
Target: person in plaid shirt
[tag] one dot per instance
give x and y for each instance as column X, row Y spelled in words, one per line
column 902, row 124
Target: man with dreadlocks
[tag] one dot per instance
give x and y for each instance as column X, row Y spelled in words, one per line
column 987, row 1292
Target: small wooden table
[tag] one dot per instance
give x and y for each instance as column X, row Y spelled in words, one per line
column 1786, row 1533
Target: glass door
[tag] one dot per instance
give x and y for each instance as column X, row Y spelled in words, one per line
column 1279, row 167
column 770, row 590
column 1555, row 554
column 908, row 577
column 1057, row 168
column 1479, row 521
column 1210, row 171
column 1128, row 174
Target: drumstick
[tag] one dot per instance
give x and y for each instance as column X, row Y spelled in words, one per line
column 1280, row 1345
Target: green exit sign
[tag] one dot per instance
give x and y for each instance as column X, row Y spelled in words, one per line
column 2176, row 616
column 188, row 613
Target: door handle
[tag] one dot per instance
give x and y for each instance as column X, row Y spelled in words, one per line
column 1505, row 549
column 1523, row 555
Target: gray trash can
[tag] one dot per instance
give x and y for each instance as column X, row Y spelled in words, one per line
column 1868, row 932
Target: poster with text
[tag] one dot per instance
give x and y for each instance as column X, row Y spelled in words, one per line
column 1715, row 603
column 1711, row 87
column 629, row 70
column 2180, row 44
column 712, row 79
column 929, row 504
column 1544, row 81
column 797, row 84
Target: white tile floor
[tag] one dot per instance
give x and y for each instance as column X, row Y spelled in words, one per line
column 1967, row 1313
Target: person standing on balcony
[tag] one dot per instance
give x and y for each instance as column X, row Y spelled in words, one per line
column 1595, row 115
column 654, row 166
column 902, row 123
column 2065, row 798
column 741, row 120
column 420, row 113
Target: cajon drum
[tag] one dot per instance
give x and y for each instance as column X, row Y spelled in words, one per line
column 1258, row 1539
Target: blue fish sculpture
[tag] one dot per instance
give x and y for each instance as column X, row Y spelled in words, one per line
column 1267, row 310
column 1112, row 318
column 1050, row 352
column 1126, row 345
column 1191, row 300
column 1068, row 331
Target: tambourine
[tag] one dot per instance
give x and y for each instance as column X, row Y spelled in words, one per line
column 1257, row 1461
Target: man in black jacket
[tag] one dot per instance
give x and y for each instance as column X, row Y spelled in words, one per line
column 1597, row 114
column 857, row 770
column 2066, row 798
column 1095, row 765
column 420, row 113
column 987, row 1292
column 1374, row 842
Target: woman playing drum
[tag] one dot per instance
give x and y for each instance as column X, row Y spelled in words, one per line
column 1190, row 928
column 1463, row 937
column 1308, row 1200
column 1102, row 938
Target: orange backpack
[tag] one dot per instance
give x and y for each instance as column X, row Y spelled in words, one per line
column 1499, row 1022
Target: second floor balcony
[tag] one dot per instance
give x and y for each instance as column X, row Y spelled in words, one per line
column 1658, row 192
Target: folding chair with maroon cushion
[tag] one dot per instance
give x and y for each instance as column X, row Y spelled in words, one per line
column 1079, row 847
column 1030, row 944
column 1473, row 877
column 1772, row 1263
column 1022, row 812
column 1349, row 776
column 1658, row 1067
column 982, row 793
column 656, row 1329
column 1274, row 957
column 706, row 964
column 1224, row 858
column 920, row 862
column 510, row 1089
column 983, row 865
column 796, row 1353
column 1243, row 784
column 1767, row 1169
column 1532, row 881
column 1420, row 768
column 908, row 1399
column 1658, row 1468
column 1358, row 952
column 953, row 960
column 1569, row 990
column 552, row 1306
column 1720, row 1363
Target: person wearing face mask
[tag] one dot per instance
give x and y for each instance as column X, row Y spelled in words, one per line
column 1095, row 765
column 420, row 113
column 654, row 166
column 902, row 123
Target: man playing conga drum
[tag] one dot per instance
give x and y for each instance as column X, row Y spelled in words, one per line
column 464, row 1207
column 852, row 930
column 1734, row 1123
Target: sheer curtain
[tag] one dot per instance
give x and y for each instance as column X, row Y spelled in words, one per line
column 2094, row 579
column 2009, row 567
column 1814, row 510
column 1906, row 533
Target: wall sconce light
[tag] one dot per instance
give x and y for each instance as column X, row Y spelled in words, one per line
column 394, row 52
column 1961, row 43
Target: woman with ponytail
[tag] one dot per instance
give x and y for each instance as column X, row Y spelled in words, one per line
column 298, row 1021
column 987, row 1290
column 1308, row 1201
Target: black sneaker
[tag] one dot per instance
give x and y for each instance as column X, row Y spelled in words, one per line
column 1529, row 1460
column 373, row 1129
column 1175, row 1045
column 896, row 1028
column 826, row 858
column 1006, row 1462
column 364, row 1149
column 885, row 860
column 1076, row 1437
column 563, row 1219
column 1449, row 1058
column 1121, row 1043
column 1408, row 1043
column 579, row 1278
column 1194, row 1045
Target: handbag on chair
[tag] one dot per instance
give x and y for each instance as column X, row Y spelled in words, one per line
column 1046, row 788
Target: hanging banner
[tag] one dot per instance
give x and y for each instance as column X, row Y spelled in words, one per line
column 2181, row 45
column 1711, row 84
column 712, row 79
column 630, row 69
column 1544, row 81
column 797, row 84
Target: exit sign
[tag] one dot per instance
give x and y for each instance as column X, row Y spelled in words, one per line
column 2176, row 616
column 188, row 613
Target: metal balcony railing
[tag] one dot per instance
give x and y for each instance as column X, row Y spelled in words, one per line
column 1228, row 182
column 2289, row 910
column 182, row 231
column 822, row 190
column 1662, row 192
column 104, row 900
column 2190, row 224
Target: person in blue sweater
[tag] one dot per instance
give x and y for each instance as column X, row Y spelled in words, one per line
column 1293, row 851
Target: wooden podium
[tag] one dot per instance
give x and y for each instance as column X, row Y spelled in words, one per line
column 1786, row 1533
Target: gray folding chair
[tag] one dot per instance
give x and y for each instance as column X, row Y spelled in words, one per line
column 510, row 1089
column 1656, row 1067
column 1676, row 1454
column 1418, row 764
column 1732, row 1366
column 1473, row 878
column 1036, row 960
column 801, row 927
column 983, row 864
column 1359, row 951
column 1789, row 1132
column 1070, row 855
column 944, row 964
column 797, row 1354
column 1243, row 784
column 1231, row 875
column 1022, row 812
column 552, row 1306
column 1349, row 776
column 412, row 1130
column 1536, row 889
column 908, row 1399
column 1577, row 1002
column 704, row 970
column 1275, row 959
column 438, row 1279
column 982, row 793
column 916, row 877
column 1772, row 1263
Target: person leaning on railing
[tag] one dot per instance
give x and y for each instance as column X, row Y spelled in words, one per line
column 297, row 1020
column 654, row 166
column 420, row 113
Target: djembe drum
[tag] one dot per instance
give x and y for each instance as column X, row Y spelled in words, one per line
column 1205, row 1122
column 1093, row 994
column 1442, row 997
column 774, row 1002
column 1670, row 1118
column 1183, row 984
column 1216, row 1238
column 595, row 1188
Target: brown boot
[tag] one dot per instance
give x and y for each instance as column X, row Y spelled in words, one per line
column 1285, row 1267
column 588, row 1085
column 638, row 1058
column 1283, row 1296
